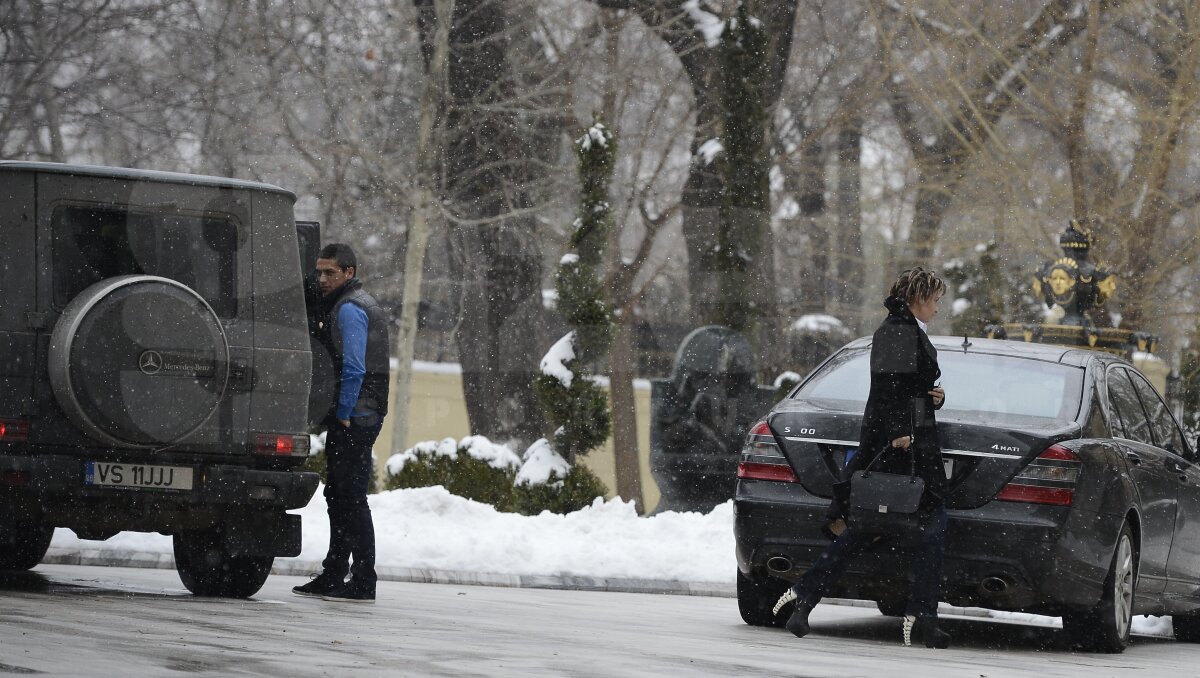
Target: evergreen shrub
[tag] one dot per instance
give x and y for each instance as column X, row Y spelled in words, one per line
column 477, row 469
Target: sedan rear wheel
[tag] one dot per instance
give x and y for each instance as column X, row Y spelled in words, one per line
column 757, row 596
column 1105, row 628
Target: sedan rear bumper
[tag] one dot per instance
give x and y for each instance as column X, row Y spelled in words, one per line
column 1003, row 555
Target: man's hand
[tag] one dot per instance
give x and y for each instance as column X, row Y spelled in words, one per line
column 902, row 442
column 345, row 422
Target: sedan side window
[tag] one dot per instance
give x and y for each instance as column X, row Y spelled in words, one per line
column 1128, row 408
column 1166, row 433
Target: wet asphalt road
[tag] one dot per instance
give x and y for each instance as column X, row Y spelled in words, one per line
column 64, row 620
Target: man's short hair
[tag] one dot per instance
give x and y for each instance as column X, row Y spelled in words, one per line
column 341, row 253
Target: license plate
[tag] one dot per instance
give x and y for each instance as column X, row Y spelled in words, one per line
column 949, row 466
column 138, row 475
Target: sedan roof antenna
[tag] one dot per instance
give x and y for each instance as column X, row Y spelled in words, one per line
column 966, row 343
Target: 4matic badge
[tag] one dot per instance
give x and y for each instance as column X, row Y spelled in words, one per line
column 1006, row 448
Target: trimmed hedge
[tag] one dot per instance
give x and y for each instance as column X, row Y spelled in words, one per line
column 476, row 469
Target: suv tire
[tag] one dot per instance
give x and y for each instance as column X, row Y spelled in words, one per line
column 206, row 567
column 29, row 542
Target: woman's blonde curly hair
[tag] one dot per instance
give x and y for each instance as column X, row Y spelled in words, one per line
column 917, row 284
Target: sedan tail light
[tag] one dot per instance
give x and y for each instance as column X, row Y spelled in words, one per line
column 1049, row 479
column 762, row 459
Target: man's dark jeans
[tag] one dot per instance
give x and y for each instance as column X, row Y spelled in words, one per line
column 926, row 565
column 350, row 464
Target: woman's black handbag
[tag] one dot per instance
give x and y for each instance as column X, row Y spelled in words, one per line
column 885, row 503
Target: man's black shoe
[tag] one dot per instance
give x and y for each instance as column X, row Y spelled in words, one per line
column 320, row 585
column 352, row 592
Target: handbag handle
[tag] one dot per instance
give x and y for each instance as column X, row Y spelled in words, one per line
column 912, row 440
column 912, row 461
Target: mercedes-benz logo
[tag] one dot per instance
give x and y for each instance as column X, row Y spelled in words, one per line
column 150, row 362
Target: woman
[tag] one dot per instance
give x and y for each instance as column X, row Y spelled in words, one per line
column 899, row 423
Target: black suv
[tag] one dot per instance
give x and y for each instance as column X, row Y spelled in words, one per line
column 154, row 367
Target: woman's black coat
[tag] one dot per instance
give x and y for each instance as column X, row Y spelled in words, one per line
column 904, row 369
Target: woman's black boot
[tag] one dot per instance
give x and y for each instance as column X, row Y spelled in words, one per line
column 927, row 628
column 797, row 623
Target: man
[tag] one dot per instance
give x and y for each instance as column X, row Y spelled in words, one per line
column 355, row 330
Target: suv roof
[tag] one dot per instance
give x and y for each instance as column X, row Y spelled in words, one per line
column 139, row 175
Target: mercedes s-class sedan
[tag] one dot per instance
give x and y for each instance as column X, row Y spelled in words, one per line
column 1073, row 491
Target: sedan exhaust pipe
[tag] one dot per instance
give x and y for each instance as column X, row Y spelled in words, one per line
column 779, row 564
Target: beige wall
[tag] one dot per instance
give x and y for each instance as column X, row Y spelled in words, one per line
column 436, row 410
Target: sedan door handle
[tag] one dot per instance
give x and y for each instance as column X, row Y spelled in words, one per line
column 1133, row 458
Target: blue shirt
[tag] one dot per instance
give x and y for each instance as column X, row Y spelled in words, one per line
column 352, row 322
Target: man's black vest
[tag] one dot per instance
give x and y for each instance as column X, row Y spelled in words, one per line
column 374, row 393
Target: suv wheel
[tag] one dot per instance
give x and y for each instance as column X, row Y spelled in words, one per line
column 206, row 568
column 27, row 542
column 756, row 596
column 1105, row 628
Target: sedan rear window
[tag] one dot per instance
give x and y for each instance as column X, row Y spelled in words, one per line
column 980, row 388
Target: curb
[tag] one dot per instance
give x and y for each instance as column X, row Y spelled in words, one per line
column 299, row 568
column 288, row 566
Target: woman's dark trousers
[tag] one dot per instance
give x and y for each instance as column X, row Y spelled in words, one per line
column 350, row 464
column 926, row 571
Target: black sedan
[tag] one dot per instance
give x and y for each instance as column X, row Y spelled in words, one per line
column 1073, row 491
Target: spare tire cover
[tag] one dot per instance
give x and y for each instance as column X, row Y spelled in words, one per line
column 139, row 361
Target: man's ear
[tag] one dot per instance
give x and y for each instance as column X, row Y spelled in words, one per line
column 350, row 271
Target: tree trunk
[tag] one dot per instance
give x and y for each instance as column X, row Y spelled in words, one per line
column 492, row 166
column 624, row 409
column 849, row 273
column 428, row 152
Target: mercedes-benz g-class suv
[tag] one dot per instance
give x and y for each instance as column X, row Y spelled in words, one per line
column 154, row 367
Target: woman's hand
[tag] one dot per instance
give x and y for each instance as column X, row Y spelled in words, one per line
column 939, row 396
column 902, row 442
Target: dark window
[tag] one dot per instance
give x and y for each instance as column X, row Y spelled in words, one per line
column 980, row 388
column 1128, row 408
column 91, row 244
column 1166, row 433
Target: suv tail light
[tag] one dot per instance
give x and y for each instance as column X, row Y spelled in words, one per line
column 14, row 430
column 762, row 459
column 280, row 445
column 1049, row 479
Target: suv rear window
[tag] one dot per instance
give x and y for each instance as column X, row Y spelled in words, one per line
column 980, row 388
column 91, row 244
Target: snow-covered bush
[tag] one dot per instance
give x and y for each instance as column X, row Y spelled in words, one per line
column 478, row 469
column 811, row 338
column 574, row 405
column 474, row 468
column 547, row 483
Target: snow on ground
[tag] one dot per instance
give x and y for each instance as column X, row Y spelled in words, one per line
column 430, row 528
